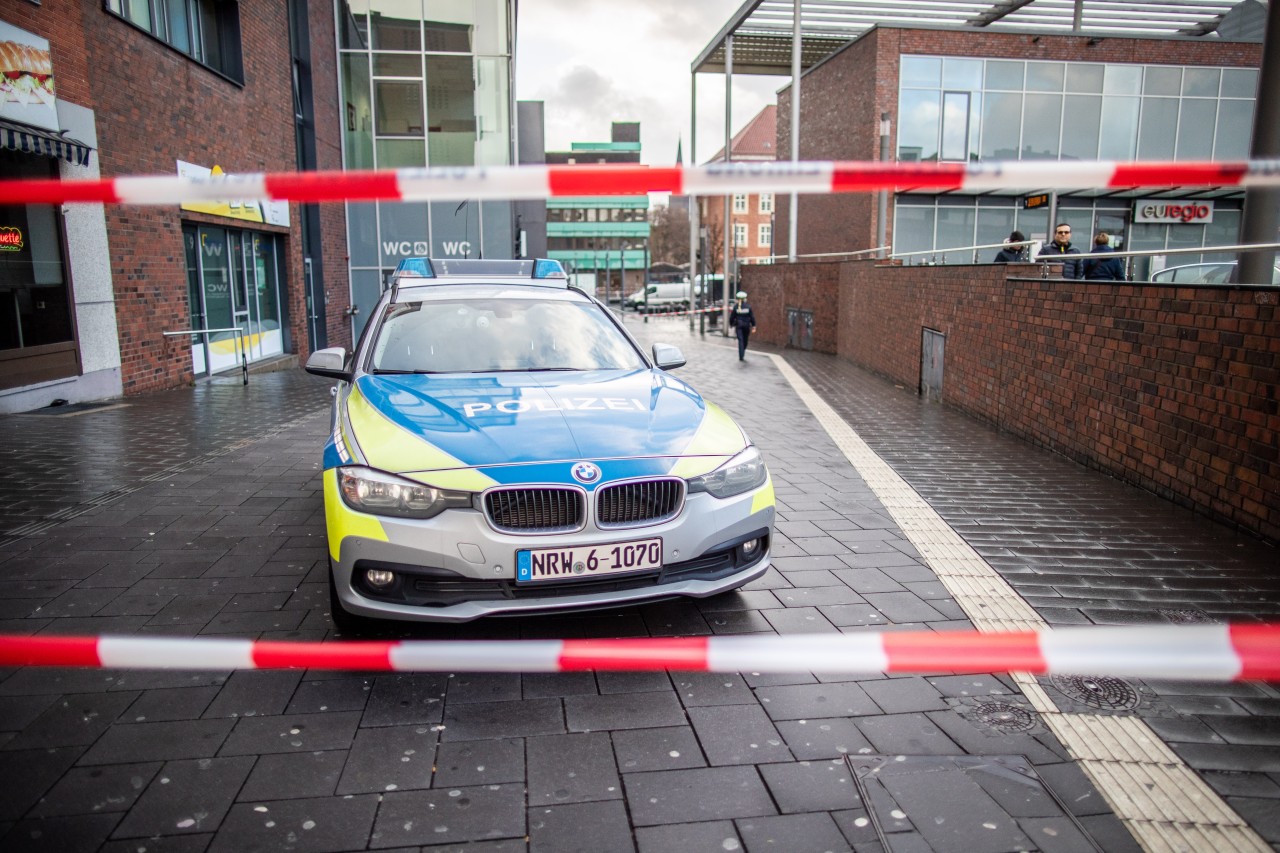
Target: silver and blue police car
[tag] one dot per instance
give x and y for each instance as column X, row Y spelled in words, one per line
column 502, row 445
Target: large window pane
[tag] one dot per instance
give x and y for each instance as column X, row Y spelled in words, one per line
column 493, row 129
column 1240, row 83
column 398, row 108
column 1195, row 128
column 1200, row 82
column 912, row 230
column 401, row 153
column 403, row 232
column 499, row 241
column 1005, row 74
column 397, row 65
column 1122, row 80
column 1235, row 129
column 962, row 74
column 955, row 229
column 918, row 125
column 920, row 71
column 489, row 35
column 1045, row 76
column 1085, row 77
column 455, row 229
column 1001, row 121
column 1041, row 127
column 1082, row 118
column 451, row 113
column 353, row 24
column 362, row 233
column 396, row 24
column 1159, row 124
column 357, row 118
column 955, row 126
column 994, row 225
column 1120, row 118
column 1162, row 80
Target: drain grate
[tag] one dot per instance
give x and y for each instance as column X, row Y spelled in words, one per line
column 1102, row 692
column 1187, row 616
column 1003, row 717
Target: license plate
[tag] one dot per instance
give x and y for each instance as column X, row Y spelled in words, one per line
column 587, row 561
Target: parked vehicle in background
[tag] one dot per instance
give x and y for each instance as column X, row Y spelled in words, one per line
column 1209, row 272
column 501, row 444
column 662, row 296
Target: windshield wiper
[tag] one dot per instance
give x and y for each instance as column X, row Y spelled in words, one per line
column 381, row 372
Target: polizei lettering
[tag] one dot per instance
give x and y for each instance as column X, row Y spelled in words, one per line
column 565, row 404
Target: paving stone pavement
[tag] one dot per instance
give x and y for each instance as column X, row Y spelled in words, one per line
column 198, row 512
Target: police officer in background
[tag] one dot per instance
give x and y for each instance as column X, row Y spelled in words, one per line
column 743, row 321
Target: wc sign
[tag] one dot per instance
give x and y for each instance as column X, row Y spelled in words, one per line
column 1159, row 210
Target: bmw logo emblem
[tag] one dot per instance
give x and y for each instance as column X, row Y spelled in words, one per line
column 585, row 472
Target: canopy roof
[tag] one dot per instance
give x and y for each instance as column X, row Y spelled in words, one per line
column 762, row 29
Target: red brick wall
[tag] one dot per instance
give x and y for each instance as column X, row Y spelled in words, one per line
column 1172, row 389
column 841, row 100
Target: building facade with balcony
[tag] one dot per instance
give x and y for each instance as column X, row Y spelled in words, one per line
column 751, row 215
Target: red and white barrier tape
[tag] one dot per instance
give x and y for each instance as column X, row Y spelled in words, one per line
column 1195, row 652
column 538, row 182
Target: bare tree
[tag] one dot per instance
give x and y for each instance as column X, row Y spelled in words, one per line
column 668, row 235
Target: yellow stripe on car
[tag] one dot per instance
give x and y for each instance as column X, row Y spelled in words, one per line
column 716, row 435
column 342, row 521
column 764, row 498
column 391, row 448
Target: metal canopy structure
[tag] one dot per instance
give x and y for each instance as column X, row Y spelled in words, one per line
column 761, row 30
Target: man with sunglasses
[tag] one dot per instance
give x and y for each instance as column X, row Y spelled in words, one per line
column 1057, row 251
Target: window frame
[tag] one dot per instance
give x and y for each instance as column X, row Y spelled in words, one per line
column 225, row 39
column 740, row 203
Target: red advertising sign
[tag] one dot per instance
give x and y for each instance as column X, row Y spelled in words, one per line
column 11, row 239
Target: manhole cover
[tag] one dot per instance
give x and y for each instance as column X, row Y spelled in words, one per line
column 1004, row 717
column 1102, row 692
column 1188, row 616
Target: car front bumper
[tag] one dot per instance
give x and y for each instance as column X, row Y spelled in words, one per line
column 468, row 568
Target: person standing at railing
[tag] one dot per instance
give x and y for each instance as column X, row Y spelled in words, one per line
column 1104, row 268
column 1059, row 249
column 1014, row 251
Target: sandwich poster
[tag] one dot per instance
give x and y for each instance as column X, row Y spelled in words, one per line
column 26, row 79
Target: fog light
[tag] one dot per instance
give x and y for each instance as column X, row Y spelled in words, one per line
column 750, row 548
column 379, row 578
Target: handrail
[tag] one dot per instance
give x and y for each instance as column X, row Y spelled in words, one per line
column 771, row 258
column 241, row 351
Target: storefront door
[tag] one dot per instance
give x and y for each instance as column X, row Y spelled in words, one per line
column 234, row 284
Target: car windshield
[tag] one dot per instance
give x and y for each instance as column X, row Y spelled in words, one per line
column 488, row 335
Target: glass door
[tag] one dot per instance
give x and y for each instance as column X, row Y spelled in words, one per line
column 219, row 296
column 195, row 300
column 265, row 320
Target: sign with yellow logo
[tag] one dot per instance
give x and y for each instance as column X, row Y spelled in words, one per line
column 249, row 210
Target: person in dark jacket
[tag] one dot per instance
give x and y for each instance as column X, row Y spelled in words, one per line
column 1104, row 268
column 743, row 322
column 1057, row 251
column 1014, row 252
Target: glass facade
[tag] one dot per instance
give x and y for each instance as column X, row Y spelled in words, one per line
column 964, row 109
column 424, row 84
column 955, row 109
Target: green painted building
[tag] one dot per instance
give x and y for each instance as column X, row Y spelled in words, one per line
column 602, row 238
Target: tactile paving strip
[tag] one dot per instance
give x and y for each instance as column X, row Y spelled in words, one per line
column 1163, row 802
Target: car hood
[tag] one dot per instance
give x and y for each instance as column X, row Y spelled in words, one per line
column 423, row 423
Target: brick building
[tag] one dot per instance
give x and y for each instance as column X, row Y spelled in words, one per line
column 750, row 214
column 205, row 87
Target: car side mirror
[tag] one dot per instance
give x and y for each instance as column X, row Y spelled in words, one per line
column 330, row 362
column 667, row 357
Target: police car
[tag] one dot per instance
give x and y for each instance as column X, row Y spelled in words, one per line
column 502, row 445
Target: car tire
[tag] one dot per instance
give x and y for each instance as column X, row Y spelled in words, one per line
column 344, row 621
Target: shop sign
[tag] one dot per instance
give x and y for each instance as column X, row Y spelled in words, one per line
column 26, row 79
column 248, row 210
column 1161, row 210
column 11, row 239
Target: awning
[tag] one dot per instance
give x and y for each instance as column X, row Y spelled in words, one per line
column 46, row 143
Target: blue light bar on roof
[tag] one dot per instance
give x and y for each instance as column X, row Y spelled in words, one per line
column 547, row 268
column 415, row 268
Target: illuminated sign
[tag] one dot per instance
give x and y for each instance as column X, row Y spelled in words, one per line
column 249, row 210
column 1174, row 212
column 1030, row 201
column 10, row 239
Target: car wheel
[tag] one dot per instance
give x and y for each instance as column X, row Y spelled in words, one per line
column 344, row 621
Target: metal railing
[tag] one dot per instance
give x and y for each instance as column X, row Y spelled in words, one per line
column 242, row 347
column 768, row 259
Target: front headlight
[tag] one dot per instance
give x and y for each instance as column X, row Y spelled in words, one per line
column 378, row 493
column 742, row 473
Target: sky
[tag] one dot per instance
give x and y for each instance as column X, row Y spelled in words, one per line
column 594, row 62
